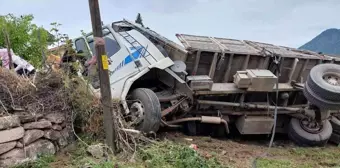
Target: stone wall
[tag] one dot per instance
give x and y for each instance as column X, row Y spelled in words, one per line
column 24, row 136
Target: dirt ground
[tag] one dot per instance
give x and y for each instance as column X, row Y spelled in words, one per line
column 246, row 152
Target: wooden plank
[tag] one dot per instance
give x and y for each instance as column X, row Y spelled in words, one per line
column 213, row 66
column 197, row 61
column 226, row 76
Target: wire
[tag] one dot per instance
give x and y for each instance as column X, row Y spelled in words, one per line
column 275, row 111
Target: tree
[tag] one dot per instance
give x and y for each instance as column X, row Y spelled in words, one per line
column 139, row 20
column 27, row 39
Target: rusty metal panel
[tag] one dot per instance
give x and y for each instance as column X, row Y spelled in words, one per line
column 255, row 124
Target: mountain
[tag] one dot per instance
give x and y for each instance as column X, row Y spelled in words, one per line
column 328, row 42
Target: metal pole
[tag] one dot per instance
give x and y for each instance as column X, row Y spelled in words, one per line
column 8, row 43
column 105, row 90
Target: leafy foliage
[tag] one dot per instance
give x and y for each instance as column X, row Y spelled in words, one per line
column 26, row 38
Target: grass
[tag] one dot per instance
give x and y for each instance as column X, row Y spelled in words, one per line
column 301, row 158
column 168, row 154
column 42, row 162
column 164, row 154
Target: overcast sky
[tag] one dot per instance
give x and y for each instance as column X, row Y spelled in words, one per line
column 283, row 22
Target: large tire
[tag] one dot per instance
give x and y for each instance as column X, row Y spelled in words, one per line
column 320, row 86
column 318, row 101
column 303, row 138
column 151, row 118
column 335, row 124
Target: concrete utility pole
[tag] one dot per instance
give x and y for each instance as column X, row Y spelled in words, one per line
column 8, row 43
column 102, row 60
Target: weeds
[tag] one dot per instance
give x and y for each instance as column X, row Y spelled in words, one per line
column 167, row 155
column 42, row 162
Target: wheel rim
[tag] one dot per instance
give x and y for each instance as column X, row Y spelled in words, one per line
column 311, row 126
column 332, row 79
column 137, row 113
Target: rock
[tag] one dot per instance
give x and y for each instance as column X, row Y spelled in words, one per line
column 14, row 153
column 57, row 127
column 5, row 147
column 9, row 122
column 52, row 134
column 11, row 134
column 63, row 125
column 96, row 151
column 39, row 147
column 28, row 117
column 57, row 118
column 13, row 161
column 65, row 133
column 32, row 135
column 19, row 145
column 62, row 142
column 38, row 125
column 223, row 152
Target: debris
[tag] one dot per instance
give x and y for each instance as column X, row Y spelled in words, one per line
column 193, row 146
column 96, row 151
column 188, row 139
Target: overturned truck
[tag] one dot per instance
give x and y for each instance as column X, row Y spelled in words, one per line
column 256, row 87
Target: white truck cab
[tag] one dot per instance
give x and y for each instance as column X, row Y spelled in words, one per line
column 130, row 54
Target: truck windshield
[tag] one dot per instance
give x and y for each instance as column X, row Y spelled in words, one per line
column 111, row 45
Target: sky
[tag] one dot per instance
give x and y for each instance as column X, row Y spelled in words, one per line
column 282, row 22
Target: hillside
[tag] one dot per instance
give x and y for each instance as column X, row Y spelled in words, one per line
column 328, row 42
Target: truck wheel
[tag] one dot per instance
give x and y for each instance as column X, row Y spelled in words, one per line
column 317, row 100
column 305, row 133
column 335, row 124
column 145, row 110
column 324, row 80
